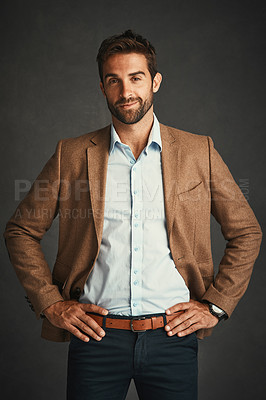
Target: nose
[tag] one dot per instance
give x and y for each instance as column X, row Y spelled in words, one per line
column 125, row 90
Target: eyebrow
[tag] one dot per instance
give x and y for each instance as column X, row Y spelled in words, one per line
column 131, row 74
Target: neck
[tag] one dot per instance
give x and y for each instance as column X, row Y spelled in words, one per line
column 135, row 135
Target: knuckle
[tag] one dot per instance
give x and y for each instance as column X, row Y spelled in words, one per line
column 90, row 321
column 82, row 336
column 75, row 308
column 187, row 323
column 88, row 330
column 76, row 332
column 85, row 328
column 71, row 328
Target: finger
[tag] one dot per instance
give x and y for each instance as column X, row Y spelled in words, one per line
column 179, row 307
column 89, row 321
column 94, row 308
column 179, row 320
column 191, row 329
column 188, row 323
column 88, row 330
column 75, row 331
column 84, row 328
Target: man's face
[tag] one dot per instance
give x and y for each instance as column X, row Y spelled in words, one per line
column 128, row 87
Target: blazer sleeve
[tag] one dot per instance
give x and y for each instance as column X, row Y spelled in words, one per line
column 25, row 229
column 240, row 229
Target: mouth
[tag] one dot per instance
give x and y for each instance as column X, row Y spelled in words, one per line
column 128, row 105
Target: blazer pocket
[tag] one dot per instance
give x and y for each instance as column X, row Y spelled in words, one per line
column 193, row 194
column 206, row 268
column 60, row 274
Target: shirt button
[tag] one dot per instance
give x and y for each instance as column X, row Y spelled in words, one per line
column 132, row 162
column 136, row 248
column 135, row 304
column 135, row 271
column 136, row 225
column 136, row 215
column 136, row 282
column 135, row 192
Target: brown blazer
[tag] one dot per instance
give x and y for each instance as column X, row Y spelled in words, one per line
column 197, row 184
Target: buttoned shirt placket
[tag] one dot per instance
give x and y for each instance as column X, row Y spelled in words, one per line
column 136, row 230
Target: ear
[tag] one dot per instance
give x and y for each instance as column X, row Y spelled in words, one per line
column 156, row 82
column 102, row 89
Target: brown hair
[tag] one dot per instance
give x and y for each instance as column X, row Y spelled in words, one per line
column 127, row 42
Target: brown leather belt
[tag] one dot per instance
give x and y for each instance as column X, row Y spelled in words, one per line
column 135, row 324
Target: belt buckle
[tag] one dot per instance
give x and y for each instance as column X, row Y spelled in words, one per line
column 136, row 319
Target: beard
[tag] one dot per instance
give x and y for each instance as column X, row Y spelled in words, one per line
column 130, row 116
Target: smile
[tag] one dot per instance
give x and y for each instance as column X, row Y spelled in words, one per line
column 125, row 106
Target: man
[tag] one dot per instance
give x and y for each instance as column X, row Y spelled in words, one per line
column 133, row 282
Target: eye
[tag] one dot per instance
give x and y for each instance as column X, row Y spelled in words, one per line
column 112, row 81
column 135, row 78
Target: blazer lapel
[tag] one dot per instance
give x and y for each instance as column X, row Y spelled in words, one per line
column 97, row 156
column 171, row 159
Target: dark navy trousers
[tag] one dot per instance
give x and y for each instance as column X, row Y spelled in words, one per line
column 163, row 367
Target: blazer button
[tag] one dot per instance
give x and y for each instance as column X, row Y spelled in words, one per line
column 76, row 293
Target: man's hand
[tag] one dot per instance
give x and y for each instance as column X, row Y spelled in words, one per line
column 71, row 315
column 195, row 316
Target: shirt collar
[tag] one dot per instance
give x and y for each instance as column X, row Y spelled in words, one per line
column 154, row 136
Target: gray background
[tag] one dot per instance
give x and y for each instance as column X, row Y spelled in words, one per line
column 211, row 55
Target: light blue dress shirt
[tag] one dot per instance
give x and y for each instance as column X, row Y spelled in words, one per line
column 134, row 273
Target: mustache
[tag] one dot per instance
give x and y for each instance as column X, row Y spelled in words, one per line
column 123, row 102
